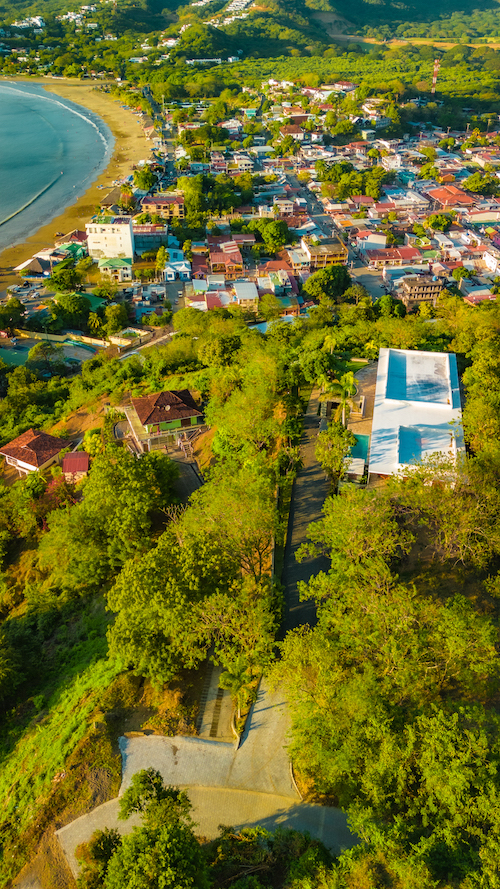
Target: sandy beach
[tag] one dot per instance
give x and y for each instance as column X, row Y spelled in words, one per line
column 130, row 147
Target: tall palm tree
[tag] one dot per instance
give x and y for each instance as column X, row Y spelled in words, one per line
column 331, row 341
column 343, row 390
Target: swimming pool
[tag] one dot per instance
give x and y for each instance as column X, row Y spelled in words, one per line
column 80, row 345
column 359, row 451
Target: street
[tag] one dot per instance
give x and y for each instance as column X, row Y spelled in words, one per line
column 369, row 278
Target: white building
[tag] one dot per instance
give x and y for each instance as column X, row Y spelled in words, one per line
column 110, row 236
column 417, row 410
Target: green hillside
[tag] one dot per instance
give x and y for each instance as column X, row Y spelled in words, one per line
column 300, row 23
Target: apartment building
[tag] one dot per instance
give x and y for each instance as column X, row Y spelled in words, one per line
column 331, row 251
column 168, row 206
column 418, row 289
column 110, row 236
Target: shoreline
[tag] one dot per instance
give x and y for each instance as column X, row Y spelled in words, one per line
column 129, row 148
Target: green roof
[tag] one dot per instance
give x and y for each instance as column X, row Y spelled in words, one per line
column 95, row 301
column 115, row 262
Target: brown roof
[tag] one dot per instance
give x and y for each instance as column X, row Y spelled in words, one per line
column 77, row 461
column 163, row 200
column 165, row 406
column 34, row 447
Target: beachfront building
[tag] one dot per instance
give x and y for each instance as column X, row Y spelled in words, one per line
column 168, row 206
column 417, row 410
column 110, row 237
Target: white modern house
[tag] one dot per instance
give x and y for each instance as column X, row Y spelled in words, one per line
column 110, row 237
column 417, row 410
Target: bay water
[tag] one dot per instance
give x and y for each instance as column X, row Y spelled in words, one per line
column 51, row 150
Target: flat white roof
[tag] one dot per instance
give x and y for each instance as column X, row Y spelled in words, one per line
column 417, row 410
column 245, row 290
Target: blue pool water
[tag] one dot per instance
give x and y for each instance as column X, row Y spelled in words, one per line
column 359, row 451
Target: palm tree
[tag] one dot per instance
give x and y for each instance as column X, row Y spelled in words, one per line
column 94, row 322
column 342, row 390
column 331, row 341
column 236, row 680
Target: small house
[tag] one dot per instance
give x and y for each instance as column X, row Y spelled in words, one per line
column 33, row 450
column 155, row 419
column 117, row 268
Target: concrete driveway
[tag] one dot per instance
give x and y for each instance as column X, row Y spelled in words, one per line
column 215, row 806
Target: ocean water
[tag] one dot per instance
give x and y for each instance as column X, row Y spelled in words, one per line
column 51, row 150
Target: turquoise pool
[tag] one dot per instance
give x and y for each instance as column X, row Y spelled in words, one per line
column 359, row 451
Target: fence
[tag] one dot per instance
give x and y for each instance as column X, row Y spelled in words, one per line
column 120, row 341
column 60, row 338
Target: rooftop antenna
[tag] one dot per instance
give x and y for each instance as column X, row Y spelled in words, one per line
column 437, row 65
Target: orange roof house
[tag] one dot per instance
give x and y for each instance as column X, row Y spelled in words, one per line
column 33, row 450
column 451, row 196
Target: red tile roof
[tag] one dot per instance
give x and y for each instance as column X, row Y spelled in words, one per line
column 34, row 448
column 450, row 194
column 165, row 406
column 213, row 301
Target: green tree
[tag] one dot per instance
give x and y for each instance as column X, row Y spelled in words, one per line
column 144, row 178
column 328, row 285
column 332, row 450
column 341, row 390
column 65, row 278
column 107, row 289
column 116, row 318
column 11, row 315
column 46, row 357
column 154, row 598
column 440, row 221
column 461, row 272
column 237, row 679
column 69, row 310
column 147, row 788
column 270, row 307
column 95, row 856
column 166, row 855
column 162, row 258
column 482, row 183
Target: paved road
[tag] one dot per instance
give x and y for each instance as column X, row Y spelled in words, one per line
column 309, row 494
column 369, row 278
column 213, row 806
column 260, row 764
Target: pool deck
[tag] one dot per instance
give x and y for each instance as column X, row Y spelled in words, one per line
column 367, row 379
